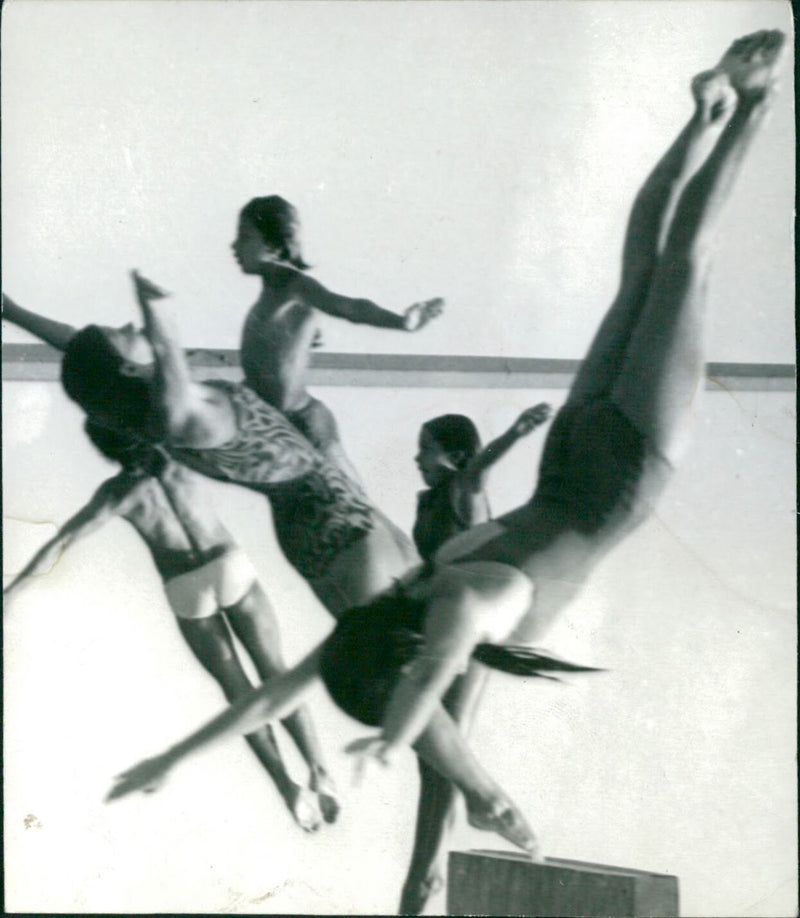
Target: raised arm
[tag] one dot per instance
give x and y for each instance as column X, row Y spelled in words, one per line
column 107, row 502
column 366, row 312
column 474, row 473
column 192, row 414
column 274, row 699
column 56, row 334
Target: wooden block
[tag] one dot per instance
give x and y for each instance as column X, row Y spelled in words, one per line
column 505, row 883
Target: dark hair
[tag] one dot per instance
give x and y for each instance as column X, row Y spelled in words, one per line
column 129, row 451
column 363, row 657
column 279, row 225
column 457, row 436
column 91, row 376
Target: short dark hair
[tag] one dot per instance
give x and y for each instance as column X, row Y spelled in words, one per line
column 279, row 225
column 456, row 434
column 91, row 376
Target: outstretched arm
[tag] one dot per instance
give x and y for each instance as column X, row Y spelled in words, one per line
column 274, row 699
column 56, row 334
column 366, row 312
column 107, row 502
column 192, row 415
column 474, row 473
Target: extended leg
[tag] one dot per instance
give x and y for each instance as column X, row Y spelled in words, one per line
column 273, row 700
column 613, row 453
column 253, row 620
column 436, row 806
column 663, row 361
column 212, row 644
column 646, row 227
column 443, row 747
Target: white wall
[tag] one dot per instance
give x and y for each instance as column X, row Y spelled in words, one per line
column 487, row 152
column 680, row 759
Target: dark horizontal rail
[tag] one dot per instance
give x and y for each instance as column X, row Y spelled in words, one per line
column 40, row 362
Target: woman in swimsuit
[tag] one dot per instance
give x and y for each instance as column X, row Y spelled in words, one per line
column 607, row 458
column 345, row 548
column 211, row 586
column 455, row 467
column 282, row 327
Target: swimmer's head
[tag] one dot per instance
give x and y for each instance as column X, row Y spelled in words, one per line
column 446, row 445
column 129, row 451
column 269, row 231
column 102, row 372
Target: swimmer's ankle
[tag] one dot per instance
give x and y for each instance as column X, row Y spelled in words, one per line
column 416, row 893
column 498, row 814
column 304, row 807
column 321, row 783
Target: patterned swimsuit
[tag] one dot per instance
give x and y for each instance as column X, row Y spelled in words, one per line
column 317, row 510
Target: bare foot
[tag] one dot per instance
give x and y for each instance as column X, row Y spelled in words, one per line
column 415, row 895
column 714, row 95
column 505, row 819
column 751, row 62
column 304, row 808
column 322, row 784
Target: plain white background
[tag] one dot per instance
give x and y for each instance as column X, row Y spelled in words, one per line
column 487, row 153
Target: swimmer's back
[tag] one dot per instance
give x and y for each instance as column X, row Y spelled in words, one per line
column 175, row 520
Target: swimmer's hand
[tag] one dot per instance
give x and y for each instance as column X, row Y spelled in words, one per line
column 418, row 315
column 146, row 290
column 531, row 418
column 147, row 777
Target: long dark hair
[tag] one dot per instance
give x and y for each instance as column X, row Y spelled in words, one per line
column 91, row 373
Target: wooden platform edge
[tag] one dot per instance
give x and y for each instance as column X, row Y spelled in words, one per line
column 505, row 883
